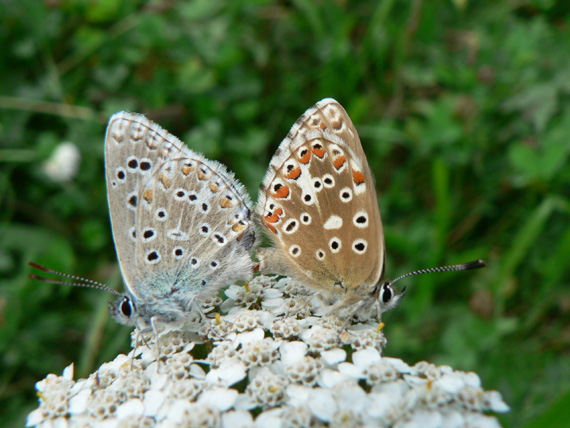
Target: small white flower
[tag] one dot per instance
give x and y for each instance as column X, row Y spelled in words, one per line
column 292, row 352
column 270, row 419
column 481, row 421
column 63, row 163
column 381, row 403
column 237, row 419
column 494, row 402
column 450, row 383
column 322, row 404
column 423, row 418
column 350, row 396
column 35, row 417
column 259, row 352
column 471, row 379
column 305, row 371
column 298, row 395
column 286, row 328
column 398, row 364
column 351, row 370
column 249, row 336
column 320, row 338
column 380, row 372
column 79, row 402
column 364, row 358
column 153, row 401
column 229, row 373
column 221, row 398
column 130, row 409
column 333, row 356
column 294, row 417
column 452, row 419
column 329, row 378
column 267, row 388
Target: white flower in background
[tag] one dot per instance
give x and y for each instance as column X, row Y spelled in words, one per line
column 260, row 366
column 63, row 163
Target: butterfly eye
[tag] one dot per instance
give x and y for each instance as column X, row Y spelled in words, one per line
column 126, row 307
column 387, row 293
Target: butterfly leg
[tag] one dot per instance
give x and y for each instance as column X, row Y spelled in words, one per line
column 207, row 321
column 155, row 332
column 355, row 308
column 379, row 317
column 134, row 351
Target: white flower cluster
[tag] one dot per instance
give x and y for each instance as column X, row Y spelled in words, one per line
column 63, row 164
column 265, row 364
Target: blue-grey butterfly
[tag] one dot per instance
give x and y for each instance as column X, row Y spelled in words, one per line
column 318, row 204
column 181, row 223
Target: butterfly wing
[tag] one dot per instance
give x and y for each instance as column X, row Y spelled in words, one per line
column 318, row 204
column 180, row 221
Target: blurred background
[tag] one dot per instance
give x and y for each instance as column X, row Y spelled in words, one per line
column 463, row 110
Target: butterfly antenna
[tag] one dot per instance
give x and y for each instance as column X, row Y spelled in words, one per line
column 476, row 264
column 79, row 281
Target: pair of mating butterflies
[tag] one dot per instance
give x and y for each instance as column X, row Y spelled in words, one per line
column 183, row 225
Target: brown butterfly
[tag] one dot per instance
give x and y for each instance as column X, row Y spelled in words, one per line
column 318, row 204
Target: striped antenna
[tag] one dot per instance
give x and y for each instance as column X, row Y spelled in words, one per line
column 77, row 280
column 476, row 264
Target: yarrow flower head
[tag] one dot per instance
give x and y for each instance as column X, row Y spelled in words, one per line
column 261, row 365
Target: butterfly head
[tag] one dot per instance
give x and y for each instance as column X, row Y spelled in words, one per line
column 124, row 310
column 387, row 296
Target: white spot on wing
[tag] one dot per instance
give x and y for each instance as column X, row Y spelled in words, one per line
column 333, row 222
column 361, row 188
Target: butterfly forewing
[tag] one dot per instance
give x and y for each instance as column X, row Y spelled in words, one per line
column 318, row 203
column 180, row 222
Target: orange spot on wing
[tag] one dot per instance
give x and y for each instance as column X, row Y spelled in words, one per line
column 319, row 152
column 274, row 218
column 294, row 174
column 358, row 177
column 238, row 227
column 338, row 162
column 148, row 196
column 279, row 211
column 166, row 182
column 201, row 175
column 306, row 158
column 187, row 169
column 272, row 228
column 225, row 203
column 282, row 192
column 214, row 188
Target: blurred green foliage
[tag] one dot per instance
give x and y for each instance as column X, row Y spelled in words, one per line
column 463, row 109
